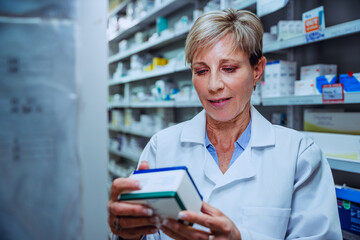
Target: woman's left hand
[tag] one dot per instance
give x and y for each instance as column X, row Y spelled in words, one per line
column 220, row 225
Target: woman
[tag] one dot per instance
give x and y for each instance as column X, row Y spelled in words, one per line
column 259, row 181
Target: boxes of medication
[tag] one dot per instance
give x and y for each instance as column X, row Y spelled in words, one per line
column 279, row 79
column 337, row 145
column 305, row 87
column 348, row 201
column 314, row 24
column 313, row 71
column 324, row 80
column 289, row 29
column 351, row 82
column 166, row 190
column 333, row 122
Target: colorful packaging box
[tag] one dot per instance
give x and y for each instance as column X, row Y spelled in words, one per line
column 314, row 24
column 348, row 201
column 166, row 190
column 351, row 82
column 324, row 80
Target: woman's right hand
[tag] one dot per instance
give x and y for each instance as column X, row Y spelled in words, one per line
column 130, row 221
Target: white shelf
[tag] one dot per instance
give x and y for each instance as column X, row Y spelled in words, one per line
column 132, row 131
column 163, row 10
column 149, row 45
column 128, row 155
column 343, row 164
column 151, row 74
column 353, row 97
column 330, row 32
column 118, row 9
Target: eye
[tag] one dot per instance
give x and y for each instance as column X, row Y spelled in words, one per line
column 200, row 71
column 229, row 69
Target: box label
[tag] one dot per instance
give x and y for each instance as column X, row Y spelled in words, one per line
column 333, row 93
column 314, row 24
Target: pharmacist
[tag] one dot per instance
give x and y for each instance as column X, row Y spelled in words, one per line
column 259, row 181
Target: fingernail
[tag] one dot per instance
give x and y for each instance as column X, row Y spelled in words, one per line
column 166, row 222
column 148, row 212
column 182, row 216
column 137, row 184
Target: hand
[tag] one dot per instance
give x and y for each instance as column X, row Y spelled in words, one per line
column 130, row 221
column 221, row 227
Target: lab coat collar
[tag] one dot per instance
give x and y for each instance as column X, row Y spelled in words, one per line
column 194, row 130
column 262, row 131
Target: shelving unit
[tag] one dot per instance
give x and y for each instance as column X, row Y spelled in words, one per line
column 287, row 49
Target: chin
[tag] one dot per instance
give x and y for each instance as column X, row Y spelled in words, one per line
column 220, row 116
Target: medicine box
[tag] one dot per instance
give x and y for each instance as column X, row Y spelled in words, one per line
column 314, row 24
column 279, row 78
column 289, row 29
column 334, row 122
column 166, row 190
column 325, row 80
column 305, row 87
column 348, row 201
column 314, row 71
column 337, row 145
column 351, row 82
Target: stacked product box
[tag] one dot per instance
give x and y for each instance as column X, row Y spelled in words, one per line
column 350, row 81
column 348, row 201
column 313, row 77
column 279, row 79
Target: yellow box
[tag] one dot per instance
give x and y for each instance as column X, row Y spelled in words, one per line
column 159, row 61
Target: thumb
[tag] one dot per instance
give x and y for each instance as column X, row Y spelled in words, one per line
column 144, row 165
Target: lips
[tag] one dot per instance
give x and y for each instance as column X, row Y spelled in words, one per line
column 219, row 102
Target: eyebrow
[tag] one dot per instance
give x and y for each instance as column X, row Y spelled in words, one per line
column 221, row 61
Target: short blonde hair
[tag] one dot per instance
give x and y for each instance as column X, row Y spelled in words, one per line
column 245, row 27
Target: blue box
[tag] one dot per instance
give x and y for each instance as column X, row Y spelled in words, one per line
column 350, row 82
column 348, row 200
column 325, row 80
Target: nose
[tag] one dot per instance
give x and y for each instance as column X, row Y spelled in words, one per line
column 215, row 82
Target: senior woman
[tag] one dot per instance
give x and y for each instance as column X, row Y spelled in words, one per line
column 259, row 181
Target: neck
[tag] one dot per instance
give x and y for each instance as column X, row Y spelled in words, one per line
column 225, row 134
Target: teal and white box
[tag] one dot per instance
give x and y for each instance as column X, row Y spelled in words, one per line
column 325, row 80
column 166, row 190
column 351, row 83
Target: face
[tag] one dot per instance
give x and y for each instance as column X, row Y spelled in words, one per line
column 224, row 80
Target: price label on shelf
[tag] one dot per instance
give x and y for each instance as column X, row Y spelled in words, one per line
column 333, row 93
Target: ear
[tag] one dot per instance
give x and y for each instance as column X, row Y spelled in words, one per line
column 259, row 69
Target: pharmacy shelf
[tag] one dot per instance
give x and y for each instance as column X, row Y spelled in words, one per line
column 159, row 42
column 343, row 164
column 128, row 155
column 243, row 4
column 145, row 75
column 349, row 98
column 132, row 131
column 163, row 10
column 118, row 9
column 339, row 30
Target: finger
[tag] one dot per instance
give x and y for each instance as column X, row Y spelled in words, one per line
column 185, row 231
column 144, row 165
column 133, row 222
column 129, row 209
column 134, row 233
column 171, row 233
column 120, row 185
column 216, row 224
column 210, row 210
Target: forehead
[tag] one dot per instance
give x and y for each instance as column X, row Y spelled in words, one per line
column 224, row 48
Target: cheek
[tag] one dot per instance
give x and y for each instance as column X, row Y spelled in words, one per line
column 197, row 84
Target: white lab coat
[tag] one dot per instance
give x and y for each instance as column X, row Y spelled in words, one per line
column 280, row 187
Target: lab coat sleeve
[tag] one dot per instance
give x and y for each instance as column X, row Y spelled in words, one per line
column 149, row 152
column 314, row 213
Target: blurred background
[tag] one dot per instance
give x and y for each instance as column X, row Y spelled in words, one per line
column 85, row 84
